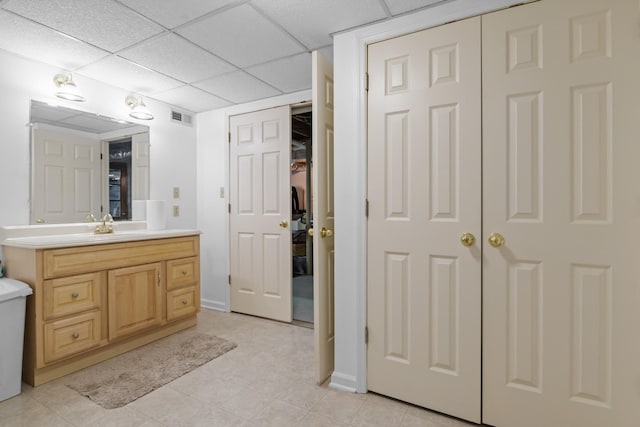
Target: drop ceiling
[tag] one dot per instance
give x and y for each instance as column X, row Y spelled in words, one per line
column 196, row 55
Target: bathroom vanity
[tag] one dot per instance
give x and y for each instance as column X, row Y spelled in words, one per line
column 97, row 296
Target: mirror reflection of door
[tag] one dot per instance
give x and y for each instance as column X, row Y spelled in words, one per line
column 119, row 179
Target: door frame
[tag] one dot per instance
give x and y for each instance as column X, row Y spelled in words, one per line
column 350, row 67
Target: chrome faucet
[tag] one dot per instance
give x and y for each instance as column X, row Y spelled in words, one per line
column 104, row 227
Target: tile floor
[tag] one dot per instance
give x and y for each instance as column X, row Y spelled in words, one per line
column 266, row 381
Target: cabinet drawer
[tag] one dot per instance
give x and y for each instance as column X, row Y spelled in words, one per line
column 86, row 259
column 182, row 302
column 73, row 294
column 181, row 272
column 67, row 337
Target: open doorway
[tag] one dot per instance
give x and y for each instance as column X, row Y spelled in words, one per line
column 120, row 179
column 301, row 215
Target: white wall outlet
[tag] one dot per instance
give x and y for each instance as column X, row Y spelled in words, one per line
column 222, row 192
column 176, row 210
column 176, row 192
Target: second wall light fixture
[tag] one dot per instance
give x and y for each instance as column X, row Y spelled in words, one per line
column 138, row 109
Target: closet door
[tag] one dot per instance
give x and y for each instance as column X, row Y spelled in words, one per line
column 260, row 196
column 423, row 292
column 560, row 184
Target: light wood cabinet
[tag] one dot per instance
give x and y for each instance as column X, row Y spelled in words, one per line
column 93, row 302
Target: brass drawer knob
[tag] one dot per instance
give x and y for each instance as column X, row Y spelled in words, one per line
column 75, row 335
column 184, row 302
column 184, row 273
column 74, row 295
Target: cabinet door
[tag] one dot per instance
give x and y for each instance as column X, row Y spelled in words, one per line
column 135, row 299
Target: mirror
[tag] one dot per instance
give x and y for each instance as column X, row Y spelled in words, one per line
column 85, row 163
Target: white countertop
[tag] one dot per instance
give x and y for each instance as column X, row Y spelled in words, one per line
column 50, row 241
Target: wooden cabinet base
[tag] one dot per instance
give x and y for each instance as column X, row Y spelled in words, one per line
column 93, row 302
column 35, row 377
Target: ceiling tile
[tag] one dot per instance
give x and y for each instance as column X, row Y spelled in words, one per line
column 288, row 74
column 172, row 55
column 241, row 36
column 310, row 21
column 105, row 24
column 238, row 87
column 119, row 72
column 174, row 13
column 400, row 6
column 31, row 40
column 191, row 98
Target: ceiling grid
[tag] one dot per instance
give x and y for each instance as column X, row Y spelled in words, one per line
column 192, row 54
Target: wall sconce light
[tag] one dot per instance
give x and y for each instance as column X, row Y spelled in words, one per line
column 138, row 109
column 67, row 89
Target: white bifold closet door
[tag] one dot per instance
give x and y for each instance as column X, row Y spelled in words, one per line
column 423, row 295
column 558, row 249
column 561, row 122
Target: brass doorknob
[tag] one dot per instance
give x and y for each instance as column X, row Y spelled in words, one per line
column 284, row 224
column 467, row 239
column 325, row 232
column 496, row 240
column 310, row 232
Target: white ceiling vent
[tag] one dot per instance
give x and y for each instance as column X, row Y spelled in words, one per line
column 177, row 116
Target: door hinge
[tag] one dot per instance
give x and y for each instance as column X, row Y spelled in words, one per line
column 366, row 335
column 101, row 156
column 366, row 82
column 229, row 137
column 229, row 208
column 229, row 280
column 366, row 208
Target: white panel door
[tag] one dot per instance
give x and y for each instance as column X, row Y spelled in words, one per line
column 66, row 177
column 424, row 290
column 323, row 215
column 260, row 198
column 560, row 168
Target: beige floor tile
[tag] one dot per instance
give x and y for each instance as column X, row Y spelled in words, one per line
column 23, row 411
column 304, row 396
column 168, row 406
column 279, row 414
column 268, row 380
column 125, row 417
column 320, row 420
column 379, row 411
column 247, row 403
column 340, row 406
column 67, row 403
column 418, row 417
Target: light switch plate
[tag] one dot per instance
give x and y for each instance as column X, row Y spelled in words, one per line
column 176, row 210
column 176, row 192
column 222, row 192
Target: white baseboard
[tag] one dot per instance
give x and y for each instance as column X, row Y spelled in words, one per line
column 214, row 305
column 343, row 382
